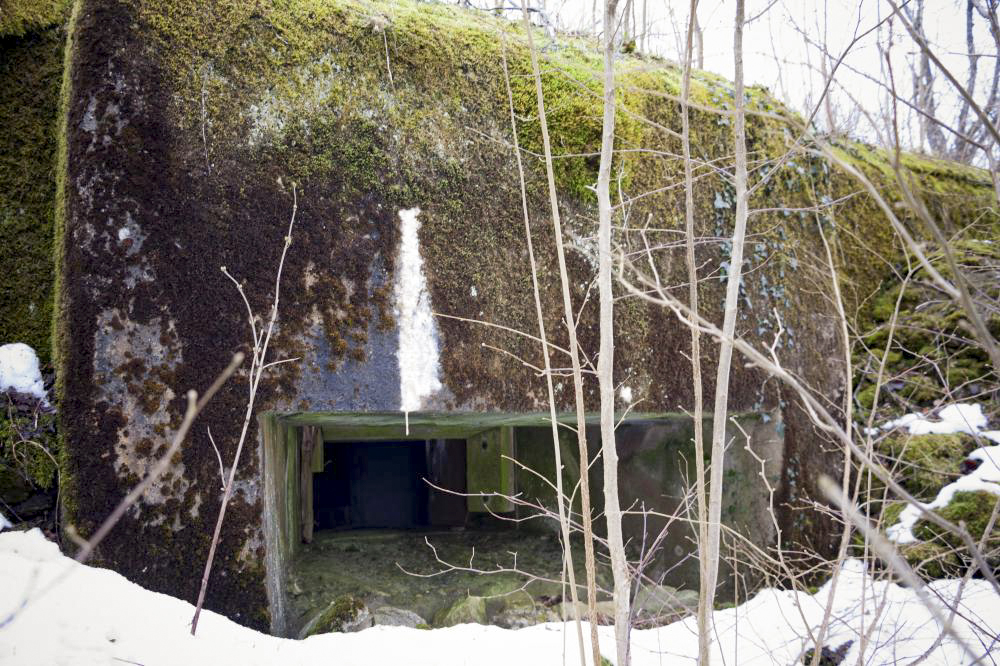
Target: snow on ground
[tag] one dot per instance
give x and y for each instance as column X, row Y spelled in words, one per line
column 19, row 370
column 418, row 339
column 958, row 418
column 4, row 523
column 95, row 616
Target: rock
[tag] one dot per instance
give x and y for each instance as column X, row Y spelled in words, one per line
column 605, row 611
column 656, row 605
column 345, row 614
column 544, row 589
column 388, row 616
column 13, row 488
column 519, row 618
column 518, row 610
column 828, row 656
column 470, row 610
column 34, row 506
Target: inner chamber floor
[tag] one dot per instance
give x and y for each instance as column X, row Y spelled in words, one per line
column 375, row 566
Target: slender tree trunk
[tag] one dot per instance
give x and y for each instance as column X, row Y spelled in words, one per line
column 721, row 411
column 644, row 45
column 704, row 602
column 845, row 536
column 581, row 416
column 605, row 362
column 556, row 449
column 699, row 44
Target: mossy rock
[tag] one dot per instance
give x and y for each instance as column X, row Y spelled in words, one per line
column 923, row 464
column 344, row 614
column 975, row 510
column 935, row 354
column 931, row 560
column 866, row 396
column 891, row 512
column 972, row 508
column 470, row 610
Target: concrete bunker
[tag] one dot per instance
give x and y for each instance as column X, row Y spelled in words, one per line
column 355, row 502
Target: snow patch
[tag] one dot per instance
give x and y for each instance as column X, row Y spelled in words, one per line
column 4, row 523
column 418, row 336
column 19, row 370
column 626, row 393
column 75, row 622
column 965, row 418
column 960, row 417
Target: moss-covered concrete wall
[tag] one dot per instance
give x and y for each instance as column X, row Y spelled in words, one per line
column 185, row 125
column 31, row 68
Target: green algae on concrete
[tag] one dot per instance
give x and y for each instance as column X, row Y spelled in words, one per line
column 30, row 79
column 23, row 17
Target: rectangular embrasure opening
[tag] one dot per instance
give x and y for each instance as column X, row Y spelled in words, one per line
column 398, row 512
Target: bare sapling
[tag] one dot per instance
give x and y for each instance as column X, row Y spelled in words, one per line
column 258, row 365
column 845, row 537
column 605, row 362
column 704, row 603
column 581, row 417
column 564, row 526
column 720, row 412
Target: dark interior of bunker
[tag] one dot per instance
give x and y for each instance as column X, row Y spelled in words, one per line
column 401, row 516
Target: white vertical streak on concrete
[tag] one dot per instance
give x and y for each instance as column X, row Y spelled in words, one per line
column 418, row 337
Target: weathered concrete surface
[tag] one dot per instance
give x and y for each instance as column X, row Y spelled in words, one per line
column 185, row 124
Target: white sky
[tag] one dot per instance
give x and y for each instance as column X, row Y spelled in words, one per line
column 777, row 54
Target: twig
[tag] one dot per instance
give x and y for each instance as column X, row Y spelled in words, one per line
column 257, row 368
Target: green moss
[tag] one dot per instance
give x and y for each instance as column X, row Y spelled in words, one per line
column 59, row 322
column 866, row 396
column 974, row 509
column 28, row 443
column 934, row 354
column 30, row 76
column 21, row 17
column 341, row 612
column 925, row 463
column 932, row 560
column 890, row 514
